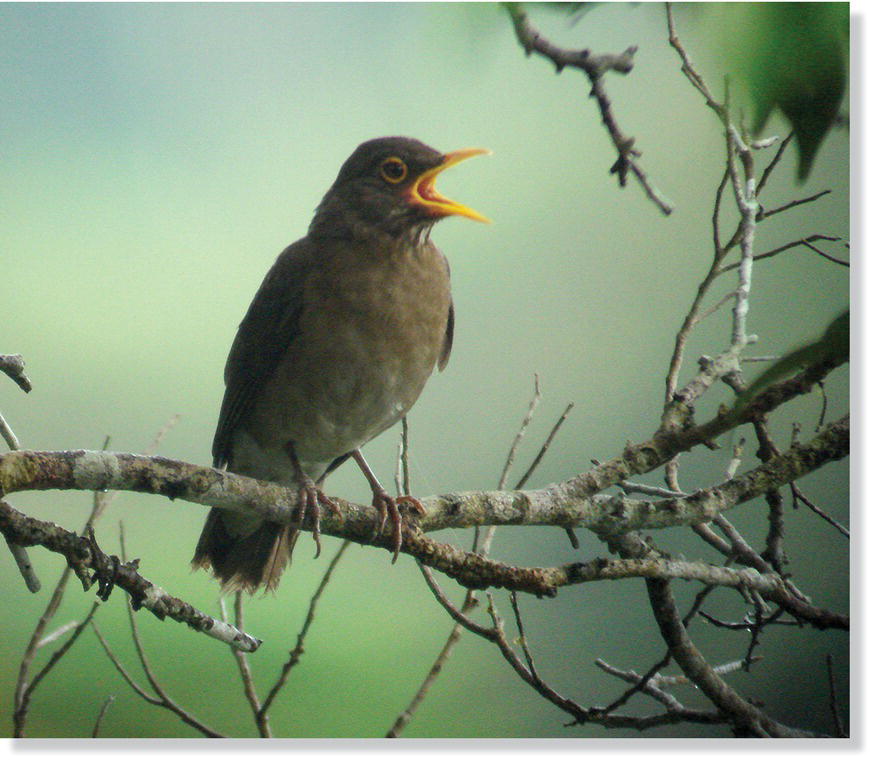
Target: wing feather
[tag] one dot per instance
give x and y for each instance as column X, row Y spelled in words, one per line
column 264, row 334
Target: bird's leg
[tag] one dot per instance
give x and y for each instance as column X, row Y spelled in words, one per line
column 309, row 498
column 386, row 504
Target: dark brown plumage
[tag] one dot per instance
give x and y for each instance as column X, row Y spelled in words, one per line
column 336, row 347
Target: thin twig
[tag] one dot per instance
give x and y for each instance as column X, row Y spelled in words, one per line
column 7, row 434
column 542, row 452
column 776, row 159
column 22, row 706
column 687, row 67
column 25, row 568
column 262, row 722
column 437, row 666
column 454, row 612
column 798, row 495
column 298, row 650
column 594, row 66
column 55, row 635
column 806, row 242
column 482, row 548
column 833, row 700
column 794, row 203
column 162, row 700
column 95, row 732
column 521, row 433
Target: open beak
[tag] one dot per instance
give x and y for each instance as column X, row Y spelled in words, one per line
column 424, row 194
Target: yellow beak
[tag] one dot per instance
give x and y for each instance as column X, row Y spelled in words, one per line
column 423, row 192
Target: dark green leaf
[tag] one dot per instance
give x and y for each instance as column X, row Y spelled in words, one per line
column 833, row 345
column 793, row 56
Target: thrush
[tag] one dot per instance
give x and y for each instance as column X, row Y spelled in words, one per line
column 335, row 348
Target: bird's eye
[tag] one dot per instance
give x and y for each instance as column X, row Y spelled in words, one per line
column 393, row 170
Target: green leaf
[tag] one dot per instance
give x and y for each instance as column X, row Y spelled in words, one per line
column 834, row 345
column 793, row 57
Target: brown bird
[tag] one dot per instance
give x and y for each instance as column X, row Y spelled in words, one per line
column 335, row 348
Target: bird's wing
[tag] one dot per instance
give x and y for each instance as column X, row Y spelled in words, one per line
column 444, row 357
column 267, row 329
column 447, row 347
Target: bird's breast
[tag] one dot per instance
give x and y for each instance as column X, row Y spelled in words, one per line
column 370, row 334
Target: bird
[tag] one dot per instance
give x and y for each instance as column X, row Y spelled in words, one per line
column 335, row 348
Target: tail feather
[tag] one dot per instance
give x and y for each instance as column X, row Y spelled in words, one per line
column 244, row 561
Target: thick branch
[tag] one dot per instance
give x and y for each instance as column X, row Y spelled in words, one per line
column 563, row 504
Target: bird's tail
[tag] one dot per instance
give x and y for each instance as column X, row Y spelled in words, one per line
column 243, row 555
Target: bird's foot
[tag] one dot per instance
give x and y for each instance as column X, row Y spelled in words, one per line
column 414, row 503
column 388, row 507
column 310, row 500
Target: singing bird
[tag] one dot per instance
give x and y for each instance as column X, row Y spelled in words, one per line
column 335, row 348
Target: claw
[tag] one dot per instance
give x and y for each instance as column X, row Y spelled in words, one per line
column 413, row 502
column 309, row 499
column 388, row 507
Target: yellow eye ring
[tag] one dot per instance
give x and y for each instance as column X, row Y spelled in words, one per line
column 393, row 170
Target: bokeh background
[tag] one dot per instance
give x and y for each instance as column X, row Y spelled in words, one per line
column 156, row 158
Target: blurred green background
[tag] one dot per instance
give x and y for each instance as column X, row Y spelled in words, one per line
column 156, row 158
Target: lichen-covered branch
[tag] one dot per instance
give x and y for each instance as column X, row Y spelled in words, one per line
column 13, row 367
column 82, row 555
column 562, row 504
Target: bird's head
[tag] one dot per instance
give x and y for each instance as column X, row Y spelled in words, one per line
column 388, row 185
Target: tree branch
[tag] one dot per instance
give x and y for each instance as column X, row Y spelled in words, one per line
column 563, row 504
column 13, row 367
column 594, row 66
column 82, row 555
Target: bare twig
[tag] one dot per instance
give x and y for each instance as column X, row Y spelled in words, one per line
column 262, row 722
column 406, row 715
column 25, row 568
column 55, row 635
column 13, row 367
column 594, row 66
column 521, row 433
column 298, row 650
column 833, row 700
column 806, row 242
column 162, row 700
column 23, row 700
column 794, row 203
column 452, row 611
column 542, row 452
column 483, row 547
column 8, row 435
column 687, row 67
column 648, row 686
column 95, row 732
column 798, row 495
